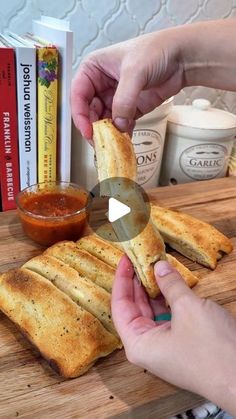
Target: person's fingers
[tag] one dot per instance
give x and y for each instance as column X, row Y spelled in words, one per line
column 95, row 109
column 82, row 93
column 142, row 300
column 122, row 302
column 159, row 305
column 125, row 99
column 170, row 282
column 82, row 118
column 106, row 114
column 96, row 106
column 126, row 314
column 148, row 100
column 107, row 97
column 124, row 275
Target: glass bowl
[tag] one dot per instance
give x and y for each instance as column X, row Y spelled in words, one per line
column 55, row 211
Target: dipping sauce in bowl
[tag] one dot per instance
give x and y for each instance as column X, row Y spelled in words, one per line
column 50, row 212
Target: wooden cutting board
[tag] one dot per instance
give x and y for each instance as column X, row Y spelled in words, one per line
column 113, row 387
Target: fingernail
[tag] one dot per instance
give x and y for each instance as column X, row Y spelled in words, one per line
column 122, row 124
column 163, row 268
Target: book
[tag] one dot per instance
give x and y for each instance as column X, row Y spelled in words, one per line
column 9, row 165
column 58, row 32
column 232, row 161
column 26, row 101
column 47, row 88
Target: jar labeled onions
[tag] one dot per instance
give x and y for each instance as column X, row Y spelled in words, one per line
column 148, row 139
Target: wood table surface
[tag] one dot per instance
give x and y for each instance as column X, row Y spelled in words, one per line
column 113, row 388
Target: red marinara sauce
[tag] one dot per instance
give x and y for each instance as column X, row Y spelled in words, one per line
column 50, row 214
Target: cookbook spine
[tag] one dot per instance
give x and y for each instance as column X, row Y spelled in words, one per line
column 9, row 165
column 58, row 31
column 47, row 65
column 232, row 161
column 26, row 98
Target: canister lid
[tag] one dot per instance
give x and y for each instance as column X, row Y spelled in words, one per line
column 201, row 115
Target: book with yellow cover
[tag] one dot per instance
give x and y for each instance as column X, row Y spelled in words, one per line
column 47, row 113
column 47, row 89
column 232, row 161
column 58, row 31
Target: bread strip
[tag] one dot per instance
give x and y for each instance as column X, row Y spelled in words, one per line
column 144, row 251
column 188, row 276
column 106, row 232
column 101, row 249
column 83, row 262
column 193, row 238
column 114, row 151
column 69, row 337
column 86, row 293
column 116, row 158
column 108, row 249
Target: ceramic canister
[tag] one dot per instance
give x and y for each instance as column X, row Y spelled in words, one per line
column 148, row 139
column 198, row 143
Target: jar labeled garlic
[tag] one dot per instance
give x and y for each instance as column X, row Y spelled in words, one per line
column 198, row 143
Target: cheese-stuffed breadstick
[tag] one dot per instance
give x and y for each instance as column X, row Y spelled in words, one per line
column 116, row 159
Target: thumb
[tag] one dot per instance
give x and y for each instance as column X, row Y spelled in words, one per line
column 125, row 99
column 170, row 282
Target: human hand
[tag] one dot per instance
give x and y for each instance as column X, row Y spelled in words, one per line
column 126, row 80
column 196, row 350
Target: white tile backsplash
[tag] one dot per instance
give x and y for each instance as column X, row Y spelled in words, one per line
column 99, row 23
column 181, row 12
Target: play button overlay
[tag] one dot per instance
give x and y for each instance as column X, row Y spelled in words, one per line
column 119, row 209
column 116, row 210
